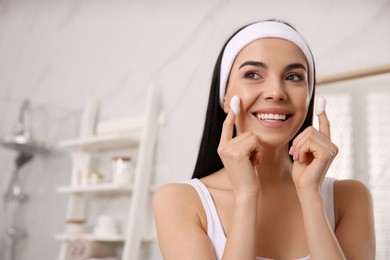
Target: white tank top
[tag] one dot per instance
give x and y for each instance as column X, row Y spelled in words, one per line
column 214, row 226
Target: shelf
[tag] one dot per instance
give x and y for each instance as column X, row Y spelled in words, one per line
column 90, row 237
column 100, row 188
column 149, row 239
column 103, row 142
column 132, row 133
column 97, row 188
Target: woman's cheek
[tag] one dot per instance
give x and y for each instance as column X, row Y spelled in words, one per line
column 248, row 98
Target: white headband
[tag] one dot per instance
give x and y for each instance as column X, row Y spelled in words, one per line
column 265, row 29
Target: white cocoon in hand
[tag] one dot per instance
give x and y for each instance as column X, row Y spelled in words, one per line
column 235, row 105
column 320, row 105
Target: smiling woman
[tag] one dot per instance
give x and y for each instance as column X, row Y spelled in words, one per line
column 259, row 188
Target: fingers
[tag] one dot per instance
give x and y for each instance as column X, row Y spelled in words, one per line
column 257, row 154
column 312, row 144
column 324, row 125
column 245, row 145
column 228, row 127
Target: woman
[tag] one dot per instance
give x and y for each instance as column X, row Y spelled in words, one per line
column 259, row 189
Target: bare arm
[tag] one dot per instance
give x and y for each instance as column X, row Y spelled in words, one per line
column 181, row 235
column 313, row 153
column 182, row 228
column 354, row 237
column 321, row 239
column 355, row 229
column 240, row 155
column 241, row 241
column 179, row 213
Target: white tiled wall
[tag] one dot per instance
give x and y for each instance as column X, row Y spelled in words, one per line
column 56, row 53
column 360, row 127
column 379, row 162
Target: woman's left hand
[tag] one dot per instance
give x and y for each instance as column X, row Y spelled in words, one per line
column 313, row 153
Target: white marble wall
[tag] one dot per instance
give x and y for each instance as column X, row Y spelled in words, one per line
column 56, row 53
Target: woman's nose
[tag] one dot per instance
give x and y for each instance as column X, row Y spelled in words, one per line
column 274, row 91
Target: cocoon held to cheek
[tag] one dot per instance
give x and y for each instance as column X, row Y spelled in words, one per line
column 320, row 105
column 235, row 105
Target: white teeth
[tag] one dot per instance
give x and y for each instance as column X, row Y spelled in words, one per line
column 271, row 116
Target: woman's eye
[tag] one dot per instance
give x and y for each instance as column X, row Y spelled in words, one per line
column 252, row 75
column 294, row 77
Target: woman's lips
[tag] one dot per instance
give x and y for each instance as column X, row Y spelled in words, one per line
column 273, row 116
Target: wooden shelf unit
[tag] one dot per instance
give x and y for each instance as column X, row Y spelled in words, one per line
column 135, row 133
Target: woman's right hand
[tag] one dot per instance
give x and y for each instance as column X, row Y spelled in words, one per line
column 240, row 156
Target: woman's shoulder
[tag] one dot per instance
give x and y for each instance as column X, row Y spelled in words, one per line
column 350, row 195
column 355, row 223
column 350, row 188
column 178, row 203
column 182, row 192
column 175, row 193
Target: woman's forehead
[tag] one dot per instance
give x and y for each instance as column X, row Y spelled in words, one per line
column 271, row 49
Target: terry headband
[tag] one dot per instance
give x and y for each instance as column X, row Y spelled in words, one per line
column 260, row 30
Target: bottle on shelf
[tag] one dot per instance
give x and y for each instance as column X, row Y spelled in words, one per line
column 122, row 170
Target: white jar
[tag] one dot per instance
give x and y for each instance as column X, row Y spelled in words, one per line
column 75, row 226
column 106, row 226
column 122, row 170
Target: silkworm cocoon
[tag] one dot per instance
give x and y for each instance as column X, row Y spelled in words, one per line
column 235, row 105
column 320, row 105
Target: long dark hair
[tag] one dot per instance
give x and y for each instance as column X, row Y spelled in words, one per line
column 208, row 160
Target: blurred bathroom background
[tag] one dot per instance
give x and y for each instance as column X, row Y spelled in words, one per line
column 55, row 54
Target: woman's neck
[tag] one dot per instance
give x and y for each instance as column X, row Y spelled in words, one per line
column 275, row 167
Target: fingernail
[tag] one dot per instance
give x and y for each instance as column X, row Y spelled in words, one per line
column 291, row 151
column 235, row 105
column 320, row 105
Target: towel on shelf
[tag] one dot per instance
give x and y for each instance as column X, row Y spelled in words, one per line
column 83, row 250
column 104, row 258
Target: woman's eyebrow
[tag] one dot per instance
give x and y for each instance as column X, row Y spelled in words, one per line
column 254, row 63
column 295, row 66
column 264, row 66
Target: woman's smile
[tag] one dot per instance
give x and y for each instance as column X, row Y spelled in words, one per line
column 272, row 117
